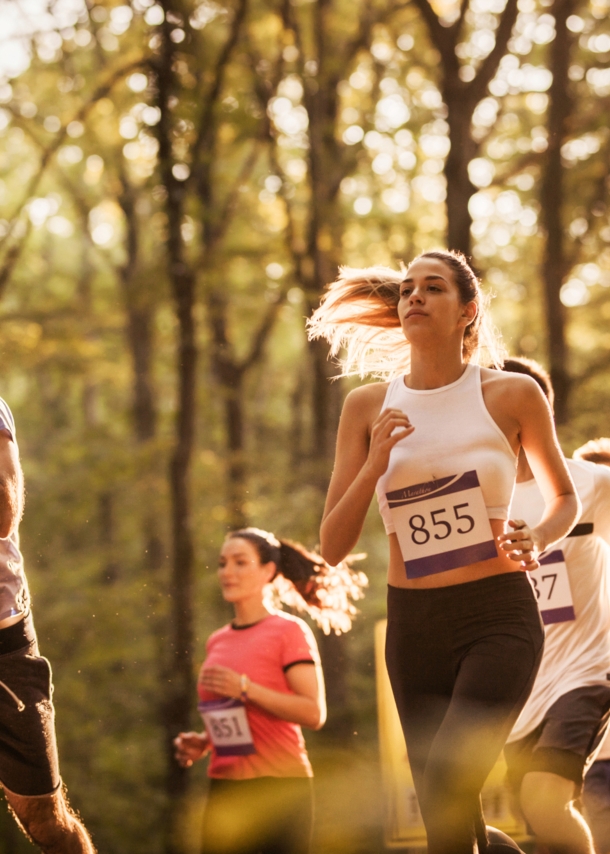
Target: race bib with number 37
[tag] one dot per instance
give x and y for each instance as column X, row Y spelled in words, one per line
column 227, row 725
column 551, row 585
column 442, row 524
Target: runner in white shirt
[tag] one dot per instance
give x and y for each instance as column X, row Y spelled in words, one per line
column 561, row 725
column 596, row 790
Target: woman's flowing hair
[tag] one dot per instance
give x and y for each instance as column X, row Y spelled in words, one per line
column 305, row 582
column 358, row 317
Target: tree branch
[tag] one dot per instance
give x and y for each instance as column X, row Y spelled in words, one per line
column 532, row 158
column 101, row 92
column 368, row 19
column 261, row 334
column 207, row 128
column 12, row 257
column 14, row 252
column 487, row 70
column 443, row 38
column 599, row 194
column 218, row 231
column 464, row 6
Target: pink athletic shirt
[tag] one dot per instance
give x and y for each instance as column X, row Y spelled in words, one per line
column 264, row 651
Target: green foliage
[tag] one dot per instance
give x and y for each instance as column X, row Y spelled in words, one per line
column 79, row 177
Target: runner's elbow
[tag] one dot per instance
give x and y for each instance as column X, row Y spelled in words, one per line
column 321, row 719
column 331, row 554
column 573, row 506
column 10, row 506
column 316, row 720
column 330, row 548
column 7, row 523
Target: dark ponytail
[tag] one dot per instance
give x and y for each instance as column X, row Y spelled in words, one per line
column 305, row 581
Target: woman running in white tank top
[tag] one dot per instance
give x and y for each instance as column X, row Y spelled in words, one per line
column 439, row 444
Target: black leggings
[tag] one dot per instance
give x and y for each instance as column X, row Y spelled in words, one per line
column 265, row 815
column 462, row 661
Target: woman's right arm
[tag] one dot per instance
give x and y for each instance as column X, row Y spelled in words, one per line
column 364, row 442
column 539, row 441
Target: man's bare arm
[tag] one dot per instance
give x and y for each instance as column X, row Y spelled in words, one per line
column 11, row 485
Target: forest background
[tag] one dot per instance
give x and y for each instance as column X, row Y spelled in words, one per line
column 178, row 182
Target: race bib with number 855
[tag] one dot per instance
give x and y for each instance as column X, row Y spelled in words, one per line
column 442, row 524
column 227, row 725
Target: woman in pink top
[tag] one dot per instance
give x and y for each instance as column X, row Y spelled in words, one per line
column 260, row 683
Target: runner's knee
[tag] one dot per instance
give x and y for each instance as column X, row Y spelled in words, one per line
column 46, row 819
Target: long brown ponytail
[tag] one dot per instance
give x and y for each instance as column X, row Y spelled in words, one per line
column 305, row 582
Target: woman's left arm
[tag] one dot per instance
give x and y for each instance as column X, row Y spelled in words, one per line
column 305, row 705
column 539, row 441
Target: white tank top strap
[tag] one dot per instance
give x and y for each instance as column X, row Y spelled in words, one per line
column 391, row 391
column 487, row 415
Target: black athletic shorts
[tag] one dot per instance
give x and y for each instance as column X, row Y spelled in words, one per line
column 28, row 749
column 564, row 742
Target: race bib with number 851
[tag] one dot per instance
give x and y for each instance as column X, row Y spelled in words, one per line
column 442, row 524
column 551, row 585
column 227, row 725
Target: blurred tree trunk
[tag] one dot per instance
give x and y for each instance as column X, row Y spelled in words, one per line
column 329, row 162
column 326, row 51
column 84, row 294
column 230, row 377
column 107, row 527
column 109, row 572
column 180, row 686
column 139, row 306
column 317, row 262
column 216, row 218
column 461, row 99
column 555, row 263
column 231, row 372
column 322, row 67
column 140, row 313
column 298, row 400
column 218, row 212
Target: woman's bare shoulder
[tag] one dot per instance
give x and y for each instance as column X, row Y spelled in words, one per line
column 509, row 381
column 369, row 395
column 511, row 392
column 364, row 403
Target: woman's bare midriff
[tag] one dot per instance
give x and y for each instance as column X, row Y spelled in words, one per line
column 397, row 576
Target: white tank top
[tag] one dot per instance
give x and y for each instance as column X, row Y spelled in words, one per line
column 454, row 435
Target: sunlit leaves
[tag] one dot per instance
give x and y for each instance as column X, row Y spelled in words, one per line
column 392, row 142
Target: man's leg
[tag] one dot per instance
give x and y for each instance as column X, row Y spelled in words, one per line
column 548, row 772
column 50, row 823
column 596, row 799
column 29, row 765
column 547, row 801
